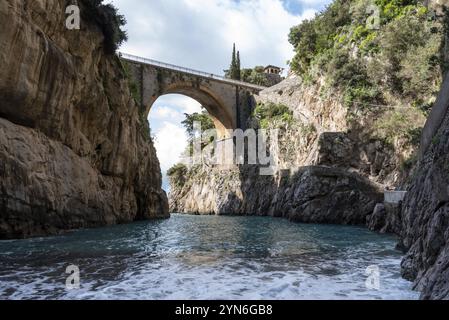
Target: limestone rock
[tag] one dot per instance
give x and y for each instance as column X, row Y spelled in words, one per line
column 74, row 152
column 376, row 221
column 311, row 194
column 335, row 141
column 327, row 115
column 386, row 218
column 425, row 229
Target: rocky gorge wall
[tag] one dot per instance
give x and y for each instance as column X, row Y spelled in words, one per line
column 74, row 149
column 425, row 216
column 339, row 138
column 320, row 178
column 321, row 137
column 314, row 194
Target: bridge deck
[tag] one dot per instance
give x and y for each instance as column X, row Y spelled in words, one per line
column 203, row 74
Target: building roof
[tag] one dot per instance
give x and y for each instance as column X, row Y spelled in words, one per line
column 274, row 67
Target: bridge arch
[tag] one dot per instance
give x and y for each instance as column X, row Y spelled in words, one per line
column 216, row 108
column 226, row 100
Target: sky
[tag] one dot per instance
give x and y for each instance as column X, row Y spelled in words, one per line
column 199, row 34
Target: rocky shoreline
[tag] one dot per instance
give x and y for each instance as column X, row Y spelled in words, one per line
column 314, row 194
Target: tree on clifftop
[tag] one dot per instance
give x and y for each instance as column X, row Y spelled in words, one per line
column 106, row 16
column 203, row 118
column 239, row 69
column 234, row 69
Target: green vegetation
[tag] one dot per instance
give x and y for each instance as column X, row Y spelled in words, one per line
column 134, row 87
column 271, row 114
column 404, row 125
column 206, row 124
column 409, row 163
column 234, row 71
column 445, row 45
column 307, row 129
column 177, row 174
column 436, row 140
column 255, row 76
column 110, row 22
column 203, row 118
column 373, row 60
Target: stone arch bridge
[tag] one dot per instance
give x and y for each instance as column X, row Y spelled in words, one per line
column 228, row 102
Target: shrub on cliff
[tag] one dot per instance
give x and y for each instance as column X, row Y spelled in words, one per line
column 134, row 86
column 270, row 113
column 203, row 118
column 106, row 16
column 177, row 174
column 373, row 61
column 206, row 124
column 255, row 76
column 400, row 126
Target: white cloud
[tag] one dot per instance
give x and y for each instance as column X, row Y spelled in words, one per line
column 313, row 2
column 200, row 33
column 180, row 103
column 165, row 119
column 170, row 143
column 171, row 108
column 162, row 112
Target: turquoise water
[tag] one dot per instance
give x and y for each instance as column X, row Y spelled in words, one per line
column 205, row 257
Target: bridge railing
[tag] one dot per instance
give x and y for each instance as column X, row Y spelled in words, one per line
column 152, row 62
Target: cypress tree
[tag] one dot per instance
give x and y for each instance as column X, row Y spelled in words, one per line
column 238, row 69
column 234, row 59
column 233, row 64
column 234, row 69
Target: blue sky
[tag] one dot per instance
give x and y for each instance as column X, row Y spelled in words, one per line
column 199, row 34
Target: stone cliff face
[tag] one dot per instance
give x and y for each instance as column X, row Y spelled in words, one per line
column 345, row 174
column 74, row 151
column 309, row 194
column 304, row 100
column 425, row 229
column 337, row 140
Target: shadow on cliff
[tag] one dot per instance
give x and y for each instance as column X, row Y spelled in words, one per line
column 313, row 194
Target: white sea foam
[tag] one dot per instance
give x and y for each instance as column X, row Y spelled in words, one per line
column 205, row 258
